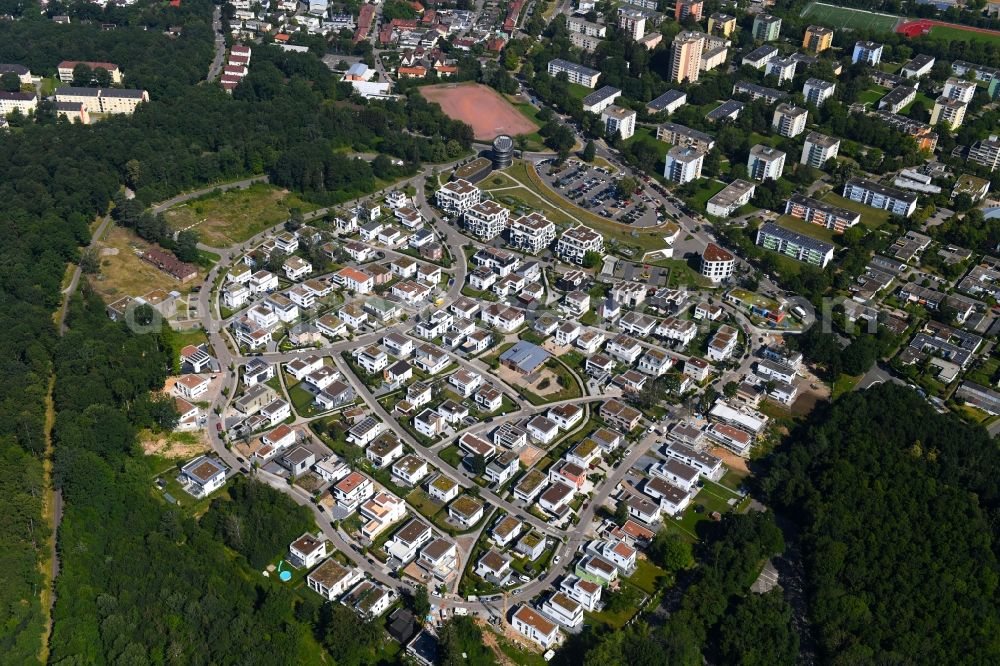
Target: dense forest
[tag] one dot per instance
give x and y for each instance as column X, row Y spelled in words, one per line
column 55, row 179
column 898, row 507
column 141, row 581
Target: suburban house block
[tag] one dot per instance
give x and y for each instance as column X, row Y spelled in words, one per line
column 535, row 627
column 330, row 580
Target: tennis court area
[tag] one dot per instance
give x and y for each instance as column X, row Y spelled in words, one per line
column 842, row 17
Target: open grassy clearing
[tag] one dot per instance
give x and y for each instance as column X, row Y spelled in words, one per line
column 123, row 273
column 225, row 218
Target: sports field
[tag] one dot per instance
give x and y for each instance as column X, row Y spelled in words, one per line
column 949, row 31
column 481, row 107
column 832, row 16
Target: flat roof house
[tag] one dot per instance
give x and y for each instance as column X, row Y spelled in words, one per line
column 203, row 476
column 331, row 580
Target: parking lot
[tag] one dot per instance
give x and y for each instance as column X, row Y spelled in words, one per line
column 594, row 188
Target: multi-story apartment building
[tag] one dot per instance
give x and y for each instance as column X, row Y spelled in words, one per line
column 585, row 76
column 618, row 120
column 948, row 111
column 918, row 66
column 18, row 101
column 584, row 27
column 685, row 10
column 821, row 213
column 783, row 68
column 760, row 56
column 66, row 67
column 756, row 92
column 601, row 99
column 986, row 152
column 632, row 22
column 584, row 41
column 685, row 56
column 897, row 98
column 880, row 196
column 921, row 132
column 487, row 219
column 575, row 243
column 797, row 246
column 817, row 39
column 721, row 24
column 819, row 149
column 789, row 120
column 959, row 89
column 457, row 196
column 683, row 164
column 103, row 100
column 733, row 196
column 532, row 233
column 668, row 102
column 766, row 28
column 867, row 52
column 765, row 163
column 679, row 135
column 717, row 264
column 817, row 91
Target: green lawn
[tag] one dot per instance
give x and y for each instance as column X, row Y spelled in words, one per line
column 452, row 455
column 647, row 576
column 424, row 503
column 920, row 97
column 872, row 95
column 808, row 228
column 844, row 384
column 872, row 217
column 959, row 35
column 570, row 386
column 707, row 188
column 578, row 91
column 647, row 135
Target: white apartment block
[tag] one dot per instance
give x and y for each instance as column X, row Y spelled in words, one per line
column 618, row 121
column 457, row 196
column 959, row 90
column 487, row 219
column 817, row 91
column 789, row 120
column 819, row 149
column 577, row 242
column 584, row 76
column 682, row 164
column 765, row 163
column 532, row 233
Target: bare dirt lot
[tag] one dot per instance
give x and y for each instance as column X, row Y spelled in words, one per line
column 484, row 109
column 730, row 459
column 176, row 445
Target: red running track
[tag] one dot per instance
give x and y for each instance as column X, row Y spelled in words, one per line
column 923, row 26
